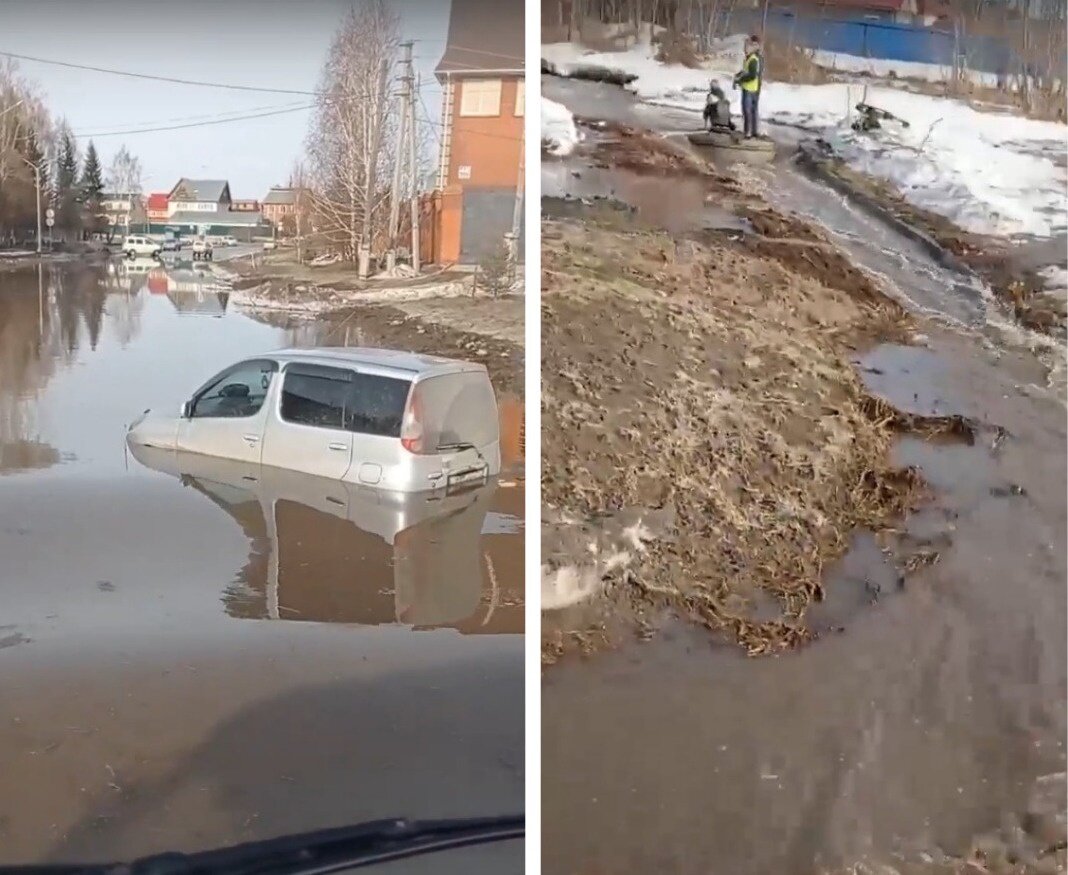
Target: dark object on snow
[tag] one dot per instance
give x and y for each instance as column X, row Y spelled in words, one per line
column 871, row 118
column 717, row 109
column 590, row 73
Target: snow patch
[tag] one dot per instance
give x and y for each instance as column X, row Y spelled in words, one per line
column 558, row 130
column 989, row 173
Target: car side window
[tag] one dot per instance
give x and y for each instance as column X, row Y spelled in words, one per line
column 237, row 392
column 316, row 395
column 376, row 405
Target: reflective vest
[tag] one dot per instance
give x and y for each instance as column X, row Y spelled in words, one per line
column 754, row 83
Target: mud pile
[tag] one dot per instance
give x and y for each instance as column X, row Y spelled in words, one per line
column 706, row 381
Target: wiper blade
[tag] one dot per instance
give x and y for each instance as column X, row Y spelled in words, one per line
column 456, row 446
column 328, row 850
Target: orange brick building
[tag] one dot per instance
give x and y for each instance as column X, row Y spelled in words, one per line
column 483, row 108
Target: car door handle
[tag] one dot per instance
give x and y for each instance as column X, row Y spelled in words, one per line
column 339, row 446
column 251, row 438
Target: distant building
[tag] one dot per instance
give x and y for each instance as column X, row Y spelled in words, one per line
column 123, row 210
column 279, row 203
column 204, row 206
column 483, row 105
column 157, row 207
column 245, row 206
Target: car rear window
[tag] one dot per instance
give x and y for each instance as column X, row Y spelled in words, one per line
column 339, row 398
column 457, row 410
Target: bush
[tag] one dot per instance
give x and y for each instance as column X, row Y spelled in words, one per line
column 495, row 271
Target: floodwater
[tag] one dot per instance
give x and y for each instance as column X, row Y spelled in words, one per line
column 925, row 714
column 196, row 653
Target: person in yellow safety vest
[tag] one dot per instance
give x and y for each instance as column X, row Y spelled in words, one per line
column 749, row 79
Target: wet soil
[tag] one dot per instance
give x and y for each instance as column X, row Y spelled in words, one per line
column 195, row 654
column 925, row 728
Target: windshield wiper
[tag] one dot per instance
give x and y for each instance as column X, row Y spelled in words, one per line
column 328, row 850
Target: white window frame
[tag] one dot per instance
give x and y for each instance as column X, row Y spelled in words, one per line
column 480, row 98
column 520, row 97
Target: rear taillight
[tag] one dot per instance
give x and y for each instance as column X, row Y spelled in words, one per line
column 411, row 434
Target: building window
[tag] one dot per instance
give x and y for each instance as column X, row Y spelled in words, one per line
column 520, row 97
column 481, row 97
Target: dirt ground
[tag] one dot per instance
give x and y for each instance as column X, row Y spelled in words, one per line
column 707, row 445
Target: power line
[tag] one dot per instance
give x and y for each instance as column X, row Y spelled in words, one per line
column 154, row 78
column 193, row 118
column 221, row 121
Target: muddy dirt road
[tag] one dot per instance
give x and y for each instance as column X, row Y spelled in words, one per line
column 196, row 653
column 928, row 717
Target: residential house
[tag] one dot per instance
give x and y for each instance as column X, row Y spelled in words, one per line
column 279, row 203
column 483, row 105
column 204, row 206
column 248, row 205
column 123, row 210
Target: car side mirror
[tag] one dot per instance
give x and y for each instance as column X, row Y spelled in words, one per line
column 187, row 410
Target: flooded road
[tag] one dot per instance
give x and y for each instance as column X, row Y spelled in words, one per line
column 926, row 714
column 194, row 652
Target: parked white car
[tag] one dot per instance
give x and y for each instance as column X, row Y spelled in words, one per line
column 136, row 245
column 393, row 420
column 202, row 249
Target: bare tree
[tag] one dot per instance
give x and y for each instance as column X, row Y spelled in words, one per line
column 124, row 173
column 25, row 136
column 352, row 141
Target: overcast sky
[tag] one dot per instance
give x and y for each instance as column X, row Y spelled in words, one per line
column 268, row 43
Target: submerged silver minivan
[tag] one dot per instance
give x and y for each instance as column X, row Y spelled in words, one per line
column 394, row 420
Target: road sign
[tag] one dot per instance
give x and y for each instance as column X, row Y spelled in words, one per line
column 50, row 221
column 50, row 213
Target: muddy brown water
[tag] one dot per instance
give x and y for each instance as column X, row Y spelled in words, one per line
column 194, row 653
column 926, row 712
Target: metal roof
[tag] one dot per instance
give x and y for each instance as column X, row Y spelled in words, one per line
column 389, row 359
column 485, row 36
column 201, row 189
column 280, row 196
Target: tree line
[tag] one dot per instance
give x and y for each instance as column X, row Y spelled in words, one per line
column 34, row 145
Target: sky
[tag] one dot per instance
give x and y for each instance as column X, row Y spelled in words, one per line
column 266, row 43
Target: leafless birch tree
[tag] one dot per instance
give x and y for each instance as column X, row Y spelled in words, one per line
column 352, row 141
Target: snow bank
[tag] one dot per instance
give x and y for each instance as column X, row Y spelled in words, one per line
column 558, row 129
column 989, row 173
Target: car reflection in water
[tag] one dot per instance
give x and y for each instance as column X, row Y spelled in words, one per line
column 331, row 552
column 192, row 287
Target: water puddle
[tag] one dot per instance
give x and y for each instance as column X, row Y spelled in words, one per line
column 164, row 616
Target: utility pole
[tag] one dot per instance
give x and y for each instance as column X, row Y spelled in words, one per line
column 413, row 170
column 364, row 257
column 517, row 210
column 398, row 161
column 37, row 184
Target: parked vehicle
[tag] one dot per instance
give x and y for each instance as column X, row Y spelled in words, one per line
column 172, row 244
column 393, row 420
column 135, row 245
column 229, row 241
column 268, row 245
column 202, row 249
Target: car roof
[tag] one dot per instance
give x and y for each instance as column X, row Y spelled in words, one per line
column 413, row 363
